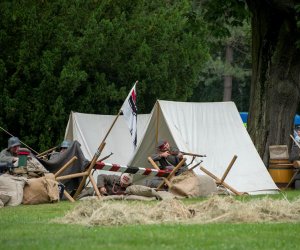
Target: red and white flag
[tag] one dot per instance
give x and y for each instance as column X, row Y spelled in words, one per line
column 130, row 114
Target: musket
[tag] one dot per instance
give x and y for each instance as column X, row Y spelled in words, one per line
column 191, row 154
column 46, row 152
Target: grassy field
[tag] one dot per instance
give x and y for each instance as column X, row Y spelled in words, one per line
column 30, row 227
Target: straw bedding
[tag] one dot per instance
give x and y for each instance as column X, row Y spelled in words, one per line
column 216, row 209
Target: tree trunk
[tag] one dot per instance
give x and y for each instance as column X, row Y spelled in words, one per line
column 228, row 76
column 276, row 74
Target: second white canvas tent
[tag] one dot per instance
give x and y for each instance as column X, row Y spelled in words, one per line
column 214, row 129
column 90, row 129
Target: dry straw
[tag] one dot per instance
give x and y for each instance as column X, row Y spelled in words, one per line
column 213, row 210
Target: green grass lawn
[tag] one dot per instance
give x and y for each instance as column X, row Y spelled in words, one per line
column 30, row 227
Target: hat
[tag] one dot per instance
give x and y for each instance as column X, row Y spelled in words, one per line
column 126, row 179
column 161, row 145
column 65, row 144
column 13, row 141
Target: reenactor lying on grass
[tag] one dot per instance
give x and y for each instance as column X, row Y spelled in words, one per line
column 110, row 185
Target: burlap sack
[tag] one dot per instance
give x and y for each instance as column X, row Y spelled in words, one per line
column 4, row 198
column 12, row 186
column 188, row 184
column 40, row 190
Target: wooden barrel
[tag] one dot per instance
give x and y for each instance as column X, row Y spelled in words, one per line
column 281, row 171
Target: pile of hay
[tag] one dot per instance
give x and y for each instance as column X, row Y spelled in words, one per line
column 215, row 209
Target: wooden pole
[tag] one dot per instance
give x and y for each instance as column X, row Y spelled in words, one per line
column 71, row 176
column 156, row 167
column 218, row 180
column 69, row 163
column 295, row 141
column 228, row 169
column 69, row 197
column 172, row 172
column 157, row 122
column 95, row 158
column 88, row 171
column 292, row 179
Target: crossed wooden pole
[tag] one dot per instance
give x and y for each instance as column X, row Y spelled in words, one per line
column 222, row 180
column 172, row 173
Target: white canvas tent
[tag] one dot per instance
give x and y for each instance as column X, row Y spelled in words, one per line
column 214, row 129
column 90, row 129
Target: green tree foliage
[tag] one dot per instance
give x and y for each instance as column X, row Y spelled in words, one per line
column 58, row 56
column 229, row 25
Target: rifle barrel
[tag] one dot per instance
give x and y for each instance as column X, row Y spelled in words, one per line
column 192, row 154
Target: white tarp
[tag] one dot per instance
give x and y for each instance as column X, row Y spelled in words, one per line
column 90, row 129
column 215, row 129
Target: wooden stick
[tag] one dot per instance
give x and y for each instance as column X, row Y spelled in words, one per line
column 228, row 169
column 46, row 152
column 218, row 180
column 94, row 185
column 156, row 167
column 69, row 197
column 157, row 121
column 88, row 171
column 71, row 176
column 295, row 141
column 68, row 164
column 292, row 179
column 172, row 172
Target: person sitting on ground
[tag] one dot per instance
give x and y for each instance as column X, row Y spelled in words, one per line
column 168, row 157
column 10, row 154
column 63, row 147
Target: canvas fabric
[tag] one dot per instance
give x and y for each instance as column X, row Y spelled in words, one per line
column 4, row 198
column 12, row 186
column 53, row 165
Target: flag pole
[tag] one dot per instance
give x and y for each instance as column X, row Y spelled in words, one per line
column 96, row 156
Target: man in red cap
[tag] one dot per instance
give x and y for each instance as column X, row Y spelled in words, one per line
column 168, row 157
